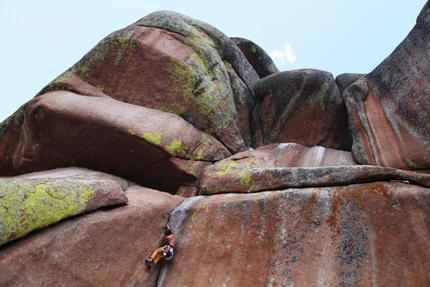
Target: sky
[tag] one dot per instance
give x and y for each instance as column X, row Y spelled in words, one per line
column 43, row 38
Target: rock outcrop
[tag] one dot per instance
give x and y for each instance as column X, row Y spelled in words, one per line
column 144, row 145
column 170, row 62
column 389, row 108
column 301, row 106
column 257, row 57
column 267, row 178
column 373, row 234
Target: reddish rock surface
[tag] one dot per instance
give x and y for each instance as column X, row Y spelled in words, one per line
column 150, row 147
column 300, row 106
column 372, row 234
column 169, row 102
column 170, row 62
column 389, row 108
column 103, row 248
column 292, row 155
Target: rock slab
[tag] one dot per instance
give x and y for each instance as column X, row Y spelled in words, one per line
column 373, row 234
column 126, row 140
column 36, row 200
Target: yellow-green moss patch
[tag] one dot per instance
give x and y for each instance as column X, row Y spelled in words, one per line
column 153, row 137
column 239, row 172
column 25, row 207
column 175, row 148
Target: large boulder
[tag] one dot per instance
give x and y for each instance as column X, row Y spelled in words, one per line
column 291, row 165
column 257, row 57
column 343, row 81
column 36, row 200
column 173, row 63
column 389, row 108
column 150, row 147
column 300, row 106
column 107, row 247
column 373, row 234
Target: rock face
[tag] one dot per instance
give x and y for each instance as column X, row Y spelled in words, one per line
column 32, row 201
column 301, row 106
column 389, row 108
column 372, row 234
column 142, row 144
column 307, row 180
column 103, row 248
column 196, row 72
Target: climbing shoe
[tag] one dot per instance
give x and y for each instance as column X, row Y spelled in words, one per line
column 149, row 262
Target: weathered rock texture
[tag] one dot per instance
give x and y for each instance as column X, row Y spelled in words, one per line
column 103, row 248
column 343, row 81
column 301, row 106
column 372, row 234
column 389, row 108
column 257, row 57
column 237, row 177
column 170, row 62
column 151, row 147
column 291, row 165
column 32, row 201
column 172, row 103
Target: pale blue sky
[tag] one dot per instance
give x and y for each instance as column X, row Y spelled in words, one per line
column 41, row 39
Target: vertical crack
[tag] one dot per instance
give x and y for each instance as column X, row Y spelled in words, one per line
column 175, row 221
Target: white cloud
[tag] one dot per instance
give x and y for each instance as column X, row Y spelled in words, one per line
column 289, row 53
column 276, row 55
column 285, row 54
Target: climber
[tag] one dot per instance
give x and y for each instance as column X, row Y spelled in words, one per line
column 165, row 251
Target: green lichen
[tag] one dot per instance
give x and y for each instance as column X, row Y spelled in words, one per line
column 132, row 132
column 25, row 207
column 199, row 57
column 213, row 189
column 201, row 84
column 153, row 137
column 15, row 119
column 58, row 84
column 238, row 175
column 177, row 111
column 205, row 141
column 241, row 170
column 175, row 148
column 178, row 149
column 119, row 43
column 183, row 80
column 122, row 40
column 193, row 216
